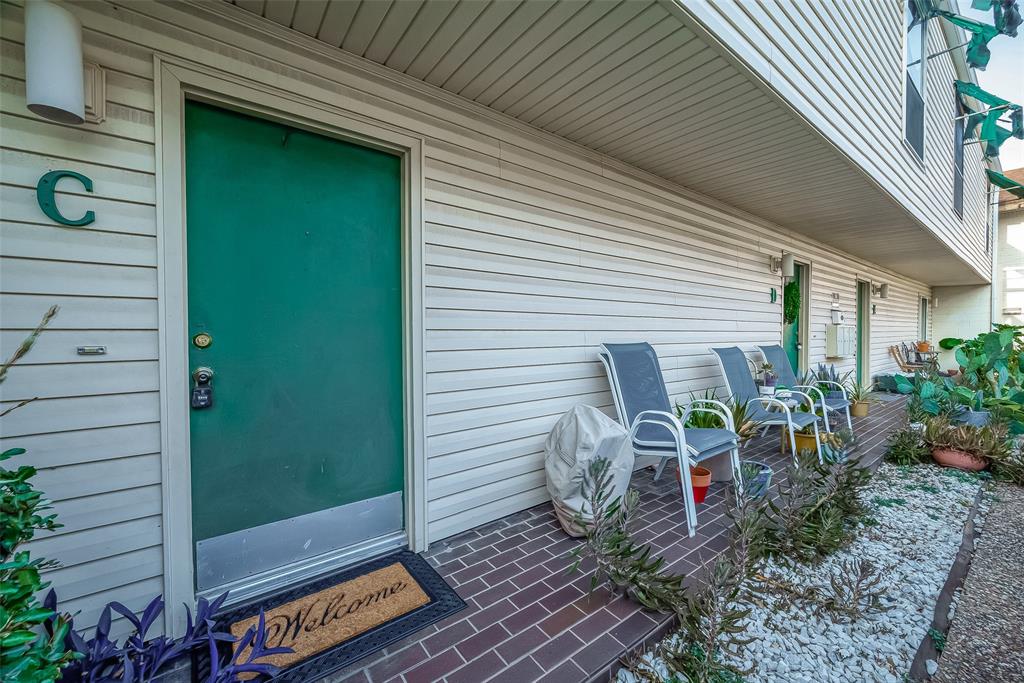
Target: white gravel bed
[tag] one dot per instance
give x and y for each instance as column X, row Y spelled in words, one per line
column 915, row 528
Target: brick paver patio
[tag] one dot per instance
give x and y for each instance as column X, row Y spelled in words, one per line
column 528, row 620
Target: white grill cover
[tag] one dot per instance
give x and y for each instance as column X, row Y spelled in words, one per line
column 580, row 436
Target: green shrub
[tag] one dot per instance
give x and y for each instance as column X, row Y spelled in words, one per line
column 905, row 446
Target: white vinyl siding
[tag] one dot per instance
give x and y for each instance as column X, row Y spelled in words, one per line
column 536, row 251
column 841, row 66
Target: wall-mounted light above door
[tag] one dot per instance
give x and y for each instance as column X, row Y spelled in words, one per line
column 785, row 265
column 55, row 83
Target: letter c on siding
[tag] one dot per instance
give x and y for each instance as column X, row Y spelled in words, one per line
column 47, row 186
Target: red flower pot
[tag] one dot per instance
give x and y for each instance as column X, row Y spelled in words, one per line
column 700, row 480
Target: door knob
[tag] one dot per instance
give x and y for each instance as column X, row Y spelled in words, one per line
column 202, row 392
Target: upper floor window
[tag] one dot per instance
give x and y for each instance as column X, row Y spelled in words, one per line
column 913, row 110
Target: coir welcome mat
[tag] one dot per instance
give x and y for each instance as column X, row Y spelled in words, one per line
column 334, row 621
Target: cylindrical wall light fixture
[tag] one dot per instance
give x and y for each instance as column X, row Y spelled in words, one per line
column 788, row 266
column 883, row 291
column 53, row 63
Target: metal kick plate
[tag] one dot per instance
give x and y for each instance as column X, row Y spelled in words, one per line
column 230, row 557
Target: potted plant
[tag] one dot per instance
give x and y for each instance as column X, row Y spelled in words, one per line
column 768, row 370
column 756, row 477
column 859, row 395
column 746, row 427
column 964, row 446
column 804, row 439
column 700, row 481
column 924, row 346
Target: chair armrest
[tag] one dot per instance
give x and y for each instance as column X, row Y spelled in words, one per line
column 807, row 398
column 671, row 423
column 768, row 399
column 700, row 405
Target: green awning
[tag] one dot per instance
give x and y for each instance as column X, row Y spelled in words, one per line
column 978, row 53
column 991, row 133
column 1008, row 184
column 1005, row 14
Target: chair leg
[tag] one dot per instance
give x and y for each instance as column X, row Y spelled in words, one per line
column 661, row 468
column 817, row 442
column 687, row 491
column 849, row 421
column 792, row 439
column 824, row 415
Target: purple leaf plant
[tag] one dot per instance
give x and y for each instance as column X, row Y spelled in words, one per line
column 140, row 659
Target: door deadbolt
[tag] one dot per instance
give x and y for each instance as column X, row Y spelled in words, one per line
column 202, row 340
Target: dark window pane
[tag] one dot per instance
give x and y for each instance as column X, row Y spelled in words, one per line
column 914, row 124
column 958, row 167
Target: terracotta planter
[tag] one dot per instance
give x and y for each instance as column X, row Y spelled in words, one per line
column 958, row 459
column 924, row 346
column 700, row 480
column 859, row 408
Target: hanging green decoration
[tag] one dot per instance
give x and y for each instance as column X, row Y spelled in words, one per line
column 1005, row 14
column 978, row 52
column 791, row 302
column 991, row 133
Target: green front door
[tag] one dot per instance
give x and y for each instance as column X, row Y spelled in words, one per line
column 791, row 324
column 295, row 304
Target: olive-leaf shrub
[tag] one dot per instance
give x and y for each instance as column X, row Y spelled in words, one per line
column 816, row 509
column 622, row 563
column 710, row 623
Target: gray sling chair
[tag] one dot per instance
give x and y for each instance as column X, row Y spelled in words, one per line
column 776, row 355
column 740, row 384
column 644, row 408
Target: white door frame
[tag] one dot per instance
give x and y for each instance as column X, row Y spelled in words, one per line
column 864, row 343
column 175, row 80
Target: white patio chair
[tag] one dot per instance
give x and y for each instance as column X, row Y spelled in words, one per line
column 740, row 384
column 643, row 405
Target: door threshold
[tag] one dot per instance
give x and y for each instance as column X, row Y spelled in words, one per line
column 272, row 581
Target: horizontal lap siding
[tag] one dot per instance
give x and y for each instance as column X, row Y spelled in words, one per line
column 841, row 66
column 531, row 265
column 535, row 253
column 94, row 431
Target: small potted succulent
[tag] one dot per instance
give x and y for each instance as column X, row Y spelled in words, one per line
column 859, row 395
column 964, row 446
column 768, row 370
column 924, row 346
